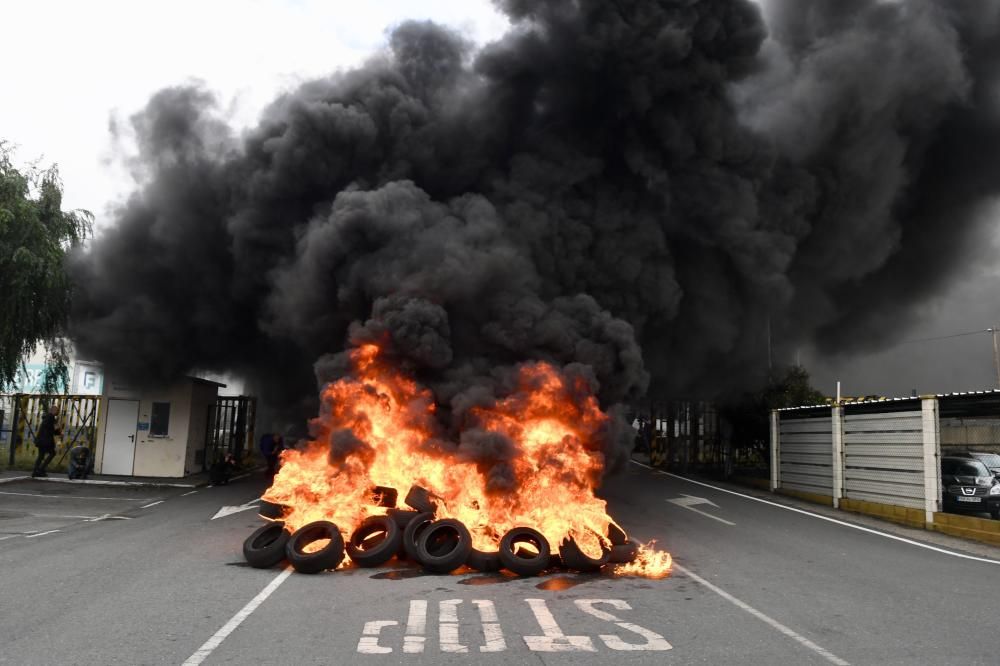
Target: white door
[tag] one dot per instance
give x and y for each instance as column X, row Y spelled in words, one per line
column 119, row 437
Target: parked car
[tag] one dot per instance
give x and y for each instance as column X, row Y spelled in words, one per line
column 968, row 485
column 991, row 460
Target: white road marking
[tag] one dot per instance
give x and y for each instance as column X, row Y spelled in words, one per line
column 153, row 504
column 192, row 492
column 448, row 626
column 38, row 534
column 79, row 497
column 491, row 627
column 416, row 625
column 831, row 520
column 14, row 478
column 106, row 516
column 688, row 502
column 654, row 641
column 104, row 482
column 10, row 536
column 205, row 650
column 368, row 643
column 230, row 510
column 823, row 652
column 552, row 638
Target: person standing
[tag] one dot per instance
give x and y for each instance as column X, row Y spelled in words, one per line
column 271, row 445
column 45, row 440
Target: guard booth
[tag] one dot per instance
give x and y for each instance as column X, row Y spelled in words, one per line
column 155, row 431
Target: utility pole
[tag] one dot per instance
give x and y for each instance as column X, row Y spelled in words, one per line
column 769, row 345
column 996, row 351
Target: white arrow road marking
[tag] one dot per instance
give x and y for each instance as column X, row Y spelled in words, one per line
column 689, row 502
column 230, row 510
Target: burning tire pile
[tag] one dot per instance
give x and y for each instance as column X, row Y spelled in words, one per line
column 438, row 545
column 510, row 484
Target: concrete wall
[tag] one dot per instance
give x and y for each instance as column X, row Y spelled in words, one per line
column 164, row 456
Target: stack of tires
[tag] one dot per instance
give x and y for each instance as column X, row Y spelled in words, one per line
column 439, row 546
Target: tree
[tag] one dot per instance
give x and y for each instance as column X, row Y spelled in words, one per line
column 749, row 414
column 35, row 289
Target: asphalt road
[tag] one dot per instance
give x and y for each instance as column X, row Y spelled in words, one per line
column 99, row 575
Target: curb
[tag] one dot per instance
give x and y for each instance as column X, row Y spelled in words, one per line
column 133, row 484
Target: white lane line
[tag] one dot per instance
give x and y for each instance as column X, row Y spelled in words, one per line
column 78, row 497
column 9, row 536
column 831, row 520
column 12, row 479
column 805, row 642
column 153, row 504
column 189, row 493
column 205, row 650
column 38, row 534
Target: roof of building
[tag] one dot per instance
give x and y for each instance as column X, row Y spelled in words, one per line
column 868, row 400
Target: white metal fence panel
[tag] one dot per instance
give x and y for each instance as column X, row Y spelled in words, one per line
column 806, row 454
column 883, row 458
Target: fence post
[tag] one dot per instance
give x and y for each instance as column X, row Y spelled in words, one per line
column 932, row 456
column 837, row 428
column 14, row 431
column 775, row 449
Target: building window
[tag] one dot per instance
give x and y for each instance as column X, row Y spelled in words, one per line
column 160, row 420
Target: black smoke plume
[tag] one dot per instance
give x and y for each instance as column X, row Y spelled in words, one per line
column 629, row 189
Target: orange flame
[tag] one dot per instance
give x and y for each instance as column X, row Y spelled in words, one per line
column 386, row 433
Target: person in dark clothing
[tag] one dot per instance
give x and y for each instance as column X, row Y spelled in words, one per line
column 222, row 470
column 271, row 446
column 79, row 462
column 45, row 440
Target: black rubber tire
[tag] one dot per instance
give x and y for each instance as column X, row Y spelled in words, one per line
column 380, row 552
column 486, row 562
column 266, row 546
column 995, row 515
column 384, row 496
column 412, row 533
column 329, row 557
column 402, row 517
column 574, row 558
column 271, row 510
column 624, row 553
column 616, row 535
column 444, row 546
column 513, row 560
column 420, row 499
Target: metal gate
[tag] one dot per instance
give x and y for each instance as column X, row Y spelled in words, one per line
column 230, row 430
column 77, row 420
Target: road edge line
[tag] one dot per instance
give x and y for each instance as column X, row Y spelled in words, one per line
column 215, row 641
column 926, row 546
column 767, row 619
